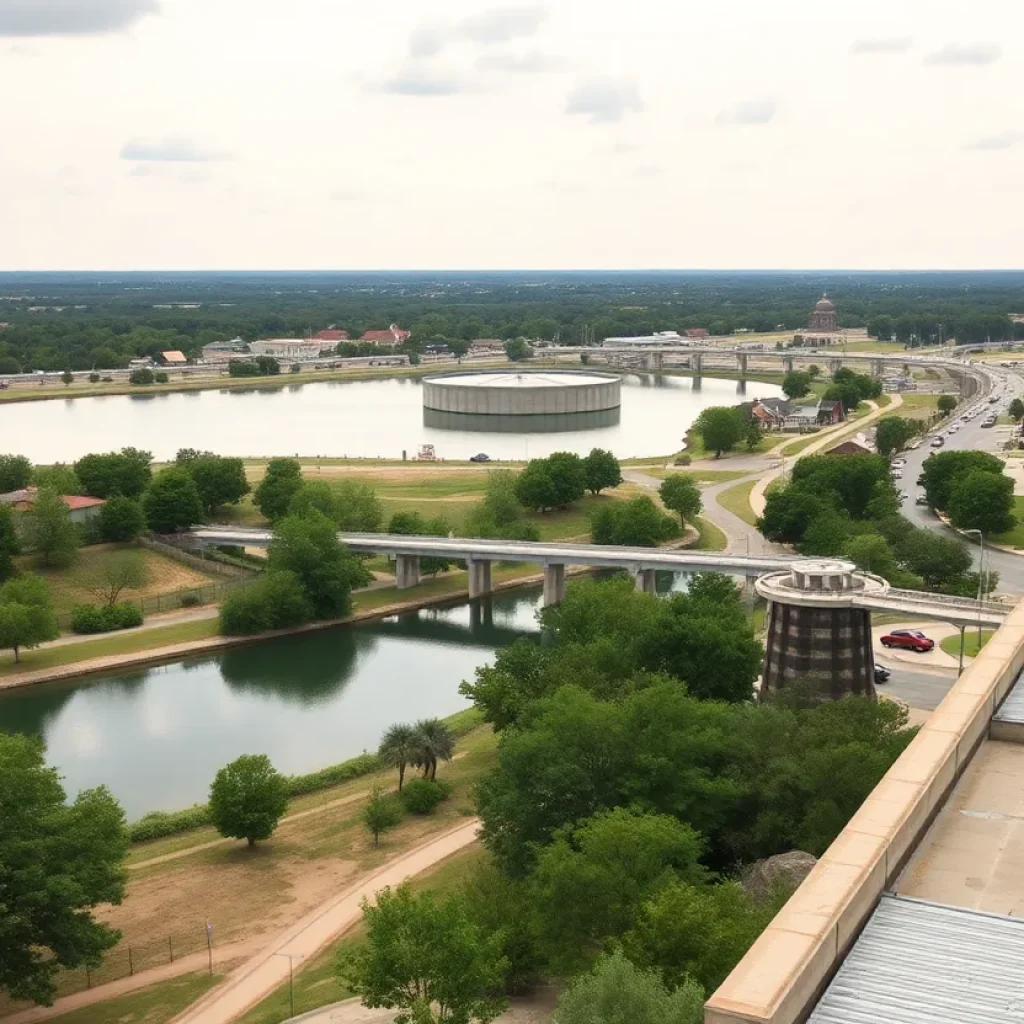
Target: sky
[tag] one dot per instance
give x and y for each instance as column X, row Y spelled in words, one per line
column 450, row 134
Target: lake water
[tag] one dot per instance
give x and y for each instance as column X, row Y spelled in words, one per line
column 375, row 418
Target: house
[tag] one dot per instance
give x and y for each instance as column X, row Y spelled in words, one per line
column 778, row 414
column 481, row 347
column 143, row 363
column 81, row 507
column 331, row 335
column 851, row 447
column 287, row 348
column 173, row 358
column 392, row 336
column 830, row 412
column 696, row 332
column 770, row 413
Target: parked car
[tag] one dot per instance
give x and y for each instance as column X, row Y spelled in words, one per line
column 938, row 442
column 881, row 673
column 897, row 474
column 480, row 457
column 899, row 462
column 920, row 500
column 908, row 640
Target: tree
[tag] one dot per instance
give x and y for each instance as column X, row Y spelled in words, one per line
column 400, row 746
column 121, row 519
column 634, row 523
column 872, row 553
column 275, row 601
column 753, row 436
column 26, row 615
column 59, row 477
column 847, row 394
column 590, row 883
column 848, row 479
column 946, row 404
column 602, row 470
column 328, row 572
column 554, row 482
column 361, row 510
column 434, row 742
column 123, row 570
column 1016, row 410
column 126, row 472
column 458, row 347
column 679, row 493
column 279, row 485
column 426, row 958
column 219, row 480
column 142, row 377
column 720, row 427
column 788, row 513
column 982, row 501
column 616, row 991
column 518, row 349
column 248, row 798
column 893, row 433
column 10, row 543
column 941, row 471
column 49, row 532
column 172, row 502
column 15, row 473
column 382, row 812
column 796, row 384
column 67, row 377
column 57, row 863
column 938, row 560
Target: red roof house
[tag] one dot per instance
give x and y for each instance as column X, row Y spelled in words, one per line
column 392, row 336
column 331, row 335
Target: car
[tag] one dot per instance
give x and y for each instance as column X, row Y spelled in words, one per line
column 921, row 500
column 900, row 463
column 938, row 442
column 902, row 495
column 881, row 673
column 896, row 474
column 908, row 640
column 480, row 457
column 989, row 421
column 914, row 445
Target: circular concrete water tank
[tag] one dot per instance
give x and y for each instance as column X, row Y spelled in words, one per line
column 522, row 393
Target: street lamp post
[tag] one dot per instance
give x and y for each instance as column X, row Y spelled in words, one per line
column 981, row 578
column 292, row 957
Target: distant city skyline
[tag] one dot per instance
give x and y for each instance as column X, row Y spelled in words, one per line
column 246, row 135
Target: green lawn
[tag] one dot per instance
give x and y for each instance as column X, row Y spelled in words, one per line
column 156, row 1004
column 737, row 501
column 1013, row 538
column 696, row 450
column 711, row 537
column 951, row 644
column 872, row 345
column 698, row 476
column 795, row 447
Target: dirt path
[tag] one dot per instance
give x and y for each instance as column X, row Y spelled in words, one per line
column 269, row 968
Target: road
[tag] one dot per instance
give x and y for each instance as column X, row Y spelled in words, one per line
column 970, row 435
column 920, row 688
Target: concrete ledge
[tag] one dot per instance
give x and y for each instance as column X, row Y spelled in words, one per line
column 786, row 969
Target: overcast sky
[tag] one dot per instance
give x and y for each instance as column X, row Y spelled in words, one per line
column 215, row 134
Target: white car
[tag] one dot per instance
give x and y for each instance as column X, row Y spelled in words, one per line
column 897, row 474
column 898, row 463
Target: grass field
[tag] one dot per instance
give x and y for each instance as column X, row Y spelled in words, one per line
column 165, row 575
column 951, row 644
column 700, row 477
column 1013, row 538
column 737, row 501
column 711, row 537
column 917, row 407
column 696, row 450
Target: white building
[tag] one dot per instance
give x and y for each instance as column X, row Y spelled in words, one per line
column 287, row 348
column 658, row 338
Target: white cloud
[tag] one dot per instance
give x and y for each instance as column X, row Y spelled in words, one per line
column 420, row 81
column 502, row 24
column 994, row 143
column 965, row 55
column 170, row 149
column 604, row 100
column 428, row 40
column 748, row 112
column 70, row 17
column 532, row 63
column 881, row 44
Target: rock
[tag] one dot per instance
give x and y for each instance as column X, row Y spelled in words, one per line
column 788, row 868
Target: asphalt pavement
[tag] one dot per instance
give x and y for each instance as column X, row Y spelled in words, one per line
column 970, row 435
column 920, row 688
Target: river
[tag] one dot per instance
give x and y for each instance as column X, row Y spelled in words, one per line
column 372, row 418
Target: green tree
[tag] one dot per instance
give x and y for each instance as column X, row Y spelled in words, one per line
column 796, row 384
column 107, row 580
column 435, row 742
column 554, row 482
column 26, row 614
column 399, row 747
column 57, row 863
column 143, row 376
column 634, row 523
column 679, row 493
column 427, row 959
column 602, row 470
column 942, row 470
column 275, row 601
column 121, row 519
column 328, row 572
column 754, row 434
column 279, row 485
column 361, row 509
column 893, row 433
column 849, row 479
column 946, row 404
column 15, row 473
column 518, row 349
column 458, row 347
column 59, row 477
column 872, row 553
column 721, row 428
column 248, row 798
column 982, row 501
column 49, row 532
column 847, row 394
column 939, row 561
column 127, row 472
column 10, row 543
column 788, row 513
column 219, row 480
column 591, row 882
column 616, row 991
column 383, row 811
column 1016, row 410
column 172, row 502
column 67, row 377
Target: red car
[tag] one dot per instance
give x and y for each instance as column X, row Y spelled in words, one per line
column 909, row 639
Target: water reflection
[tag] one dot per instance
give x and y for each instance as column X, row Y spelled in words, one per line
column 541, row 423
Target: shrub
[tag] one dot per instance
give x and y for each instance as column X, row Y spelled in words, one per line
column 335, row 774
column 683, row 460
column 94, row 618
column 141, row 377
column 161, row 377
column 94, row 378
column 275, row 601
column 421, row 796
column 158, row 824
column 190, row 600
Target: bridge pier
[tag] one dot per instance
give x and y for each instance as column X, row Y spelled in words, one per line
column 877, row 367
column 554, row 584
column 697, row 363
column 645, row 581
column 787, row 364
column 479, row 578
column 834, row 364
column 741, row 363
column 655, row 361
column 407, row 571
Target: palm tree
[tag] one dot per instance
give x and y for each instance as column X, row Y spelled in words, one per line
column 400, row 746
column 435, row 742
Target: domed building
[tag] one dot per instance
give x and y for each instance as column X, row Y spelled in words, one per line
column 823, row 327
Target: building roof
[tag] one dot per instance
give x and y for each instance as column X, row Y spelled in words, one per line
column 828, row 404
column 779, row 406
column 173, row 356
column 824, row 304
column 392, row 336
column 849, row 448
column 23, row 499
column 331, row 334
column 287, row 342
